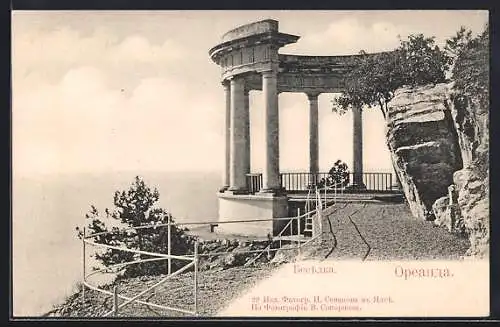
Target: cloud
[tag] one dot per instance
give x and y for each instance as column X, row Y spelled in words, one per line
column 348, row 36
column 81, row 124
column 66, row 48
column 98, row 103
column 95, row 102
column 136, row 48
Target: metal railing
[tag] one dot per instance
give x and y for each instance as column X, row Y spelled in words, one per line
column 302, row 181
column 191, row 259
column 309, row 214
column 193, row 263
column 254, row 182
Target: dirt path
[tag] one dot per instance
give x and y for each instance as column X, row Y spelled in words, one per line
column 373, row 231
column 353, row 232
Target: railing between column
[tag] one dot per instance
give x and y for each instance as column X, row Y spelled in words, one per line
column 254, row 182
column 302, row 181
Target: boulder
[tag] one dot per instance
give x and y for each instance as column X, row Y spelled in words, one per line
column 424, row 145
column 442, row 213
column 447, row 212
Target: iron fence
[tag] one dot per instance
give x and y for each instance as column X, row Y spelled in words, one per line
column 302, row 181
column 288, row 233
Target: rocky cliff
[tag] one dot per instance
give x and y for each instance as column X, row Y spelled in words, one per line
column 438, row 137
column 470, row 110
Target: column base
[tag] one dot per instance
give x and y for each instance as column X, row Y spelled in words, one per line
column 272, row 192
column 236, row 191
column 223, row 188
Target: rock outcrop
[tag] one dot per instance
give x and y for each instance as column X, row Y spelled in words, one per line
column 472, row 182
column 424, row 145
column 439, row 142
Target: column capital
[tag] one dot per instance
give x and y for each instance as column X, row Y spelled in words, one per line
column 313, row 95
column 357, row 107
column 269, row 74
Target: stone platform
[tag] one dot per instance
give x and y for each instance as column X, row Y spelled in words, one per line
column 251, row 207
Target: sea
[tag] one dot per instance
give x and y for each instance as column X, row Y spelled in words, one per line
column 46, row 253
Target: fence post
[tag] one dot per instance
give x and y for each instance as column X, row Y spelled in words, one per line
column 83, row 266
column 298, row 230
column 196, row 277
column 335, row 193
column 298, row 222
column 169, row 244
column 115, row 301
column 325, row 195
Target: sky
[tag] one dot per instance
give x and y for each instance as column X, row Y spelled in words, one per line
column 104, row 91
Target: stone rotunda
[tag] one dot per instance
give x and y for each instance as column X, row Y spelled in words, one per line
column 250, row 60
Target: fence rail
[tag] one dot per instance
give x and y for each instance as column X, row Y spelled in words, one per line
column 193, row 262
column 191, row 259
column 303, row 181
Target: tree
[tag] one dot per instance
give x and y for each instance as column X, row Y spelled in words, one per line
column 375, row 78
column 458, row 43
column 471, row 95
column 471, row 68
column 135, row 208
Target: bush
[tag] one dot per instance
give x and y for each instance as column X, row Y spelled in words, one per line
column 338, row 176
column 134, row 208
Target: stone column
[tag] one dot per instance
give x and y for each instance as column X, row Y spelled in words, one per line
column 271, row 176
column 227, row 137
column 246, row 161
column 238, row 139
column 357, row 151
column 313, row 137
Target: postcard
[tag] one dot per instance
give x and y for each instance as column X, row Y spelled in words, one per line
column 250, row 164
